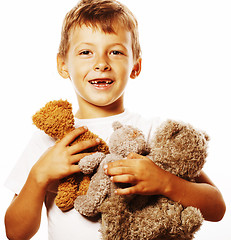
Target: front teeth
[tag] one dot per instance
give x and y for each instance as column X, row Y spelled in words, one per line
column 95, row 82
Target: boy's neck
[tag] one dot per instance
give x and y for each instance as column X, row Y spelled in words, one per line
column 88, row 111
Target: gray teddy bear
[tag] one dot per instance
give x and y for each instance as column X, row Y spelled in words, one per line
column 123, row 141
column 176, row 147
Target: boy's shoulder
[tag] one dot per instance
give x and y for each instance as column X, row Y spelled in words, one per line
column 38, row 143
column 35, row 147
column 41, row 139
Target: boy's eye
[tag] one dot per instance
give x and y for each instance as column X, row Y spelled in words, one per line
column 115, row 52
column 85, row 52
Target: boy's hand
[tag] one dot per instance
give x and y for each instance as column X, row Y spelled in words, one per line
column 145, row 177
column 60, row 160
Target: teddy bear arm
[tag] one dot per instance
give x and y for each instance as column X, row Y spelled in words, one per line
column 160, row 219
column 89, row 163
column 88, row 204
column 191, row 219
column 68, row 191
column 180, row 223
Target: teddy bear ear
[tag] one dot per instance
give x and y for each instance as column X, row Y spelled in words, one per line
column 116, row 125
column 207, row 138
column 55, row 118
column 170, row 129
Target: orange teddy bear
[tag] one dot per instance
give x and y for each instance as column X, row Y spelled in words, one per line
column 56, row 119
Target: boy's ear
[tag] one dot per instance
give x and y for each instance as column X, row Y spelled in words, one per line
column 136, row 69
column 62, row 67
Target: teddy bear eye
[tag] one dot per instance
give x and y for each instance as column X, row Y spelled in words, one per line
column 174, row 134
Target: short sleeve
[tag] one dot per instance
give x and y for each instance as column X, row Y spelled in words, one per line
column 37, row 145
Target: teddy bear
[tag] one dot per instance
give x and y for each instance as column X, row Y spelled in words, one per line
column 177, row 148
column 123, row 141
column 56, row 119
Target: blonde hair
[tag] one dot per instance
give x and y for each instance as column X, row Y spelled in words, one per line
column 103, row 14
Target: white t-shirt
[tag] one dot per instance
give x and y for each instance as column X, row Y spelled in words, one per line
column 70, row 225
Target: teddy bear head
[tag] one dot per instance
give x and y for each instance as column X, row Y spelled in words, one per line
column 55, row 118
column 126, row 139
column 179, row 149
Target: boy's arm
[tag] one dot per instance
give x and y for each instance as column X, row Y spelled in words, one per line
column 22, row 218
column 148, row 179
column 202, row 194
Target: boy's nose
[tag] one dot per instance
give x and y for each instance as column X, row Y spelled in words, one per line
column 102, row 66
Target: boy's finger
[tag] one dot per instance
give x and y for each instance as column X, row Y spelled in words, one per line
column 75, row 169
column 120, row 163
column 126, row 191
column 80, row 146
column 70, row 137
column 126, row 178
column 113, row 171
column 135, row 156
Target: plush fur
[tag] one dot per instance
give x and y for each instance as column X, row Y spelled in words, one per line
column 177, row 148
column 100, row 186
column 56, row 119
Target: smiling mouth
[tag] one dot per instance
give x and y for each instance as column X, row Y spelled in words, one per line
column 101, row 83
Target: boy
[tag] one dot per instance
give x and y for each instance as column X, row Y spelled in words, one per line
column 99, row 52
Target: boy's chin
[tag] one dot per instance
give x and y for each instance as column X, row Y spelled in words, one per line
column 107, row 102
column 103, row 103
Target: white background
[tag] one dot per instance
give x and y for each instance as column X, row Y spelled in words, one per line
column 186, row 75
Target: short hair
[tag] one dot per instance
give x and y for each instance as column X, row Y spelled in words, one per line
column 103, row 14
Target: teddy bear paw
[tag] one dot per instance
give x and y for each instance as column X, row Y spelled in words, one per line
column 191, row 219
column 88, row 164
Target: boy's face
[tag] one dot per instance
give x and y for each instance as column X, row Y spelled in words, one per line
column 99, row 64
